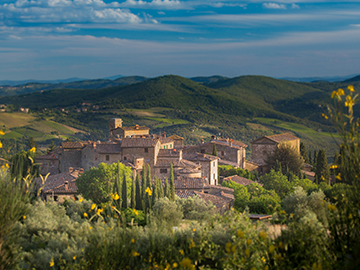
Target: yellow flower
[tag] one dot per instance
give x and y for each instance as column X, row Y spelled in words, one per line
column 194, row 230
column 333, row 94
column 322, row 178
column 134, row 253
column 148, row 191
column 334, row 166
column 136, row 212
column 52, row 263
column 181, row 252
column 175, row 265
column 331, row 207
column 2, row 132
column 115, row 196
column 133, row 241
column 228, row 247
column 24, row 217
column 1, row 146
column 113, row 207
column 98, row 212
column 74, row 258
column 240, row 234
column 192, row 244
column 350, row 216
column 350, row 88
column 249, row 241
column 263, row 235
column 81, row 200
column 338, row 177
column 7, row 165
column 247, row 252
column 325, row 116
column 90, row 228
column 271, row 249
column 93, row 206
column 186, row 263
column 340, row 92
column 33, row 149
column 233, row 249
column 85, row 215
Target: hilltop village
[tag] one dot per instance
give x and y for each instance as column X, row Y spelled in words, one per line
column 194, row 167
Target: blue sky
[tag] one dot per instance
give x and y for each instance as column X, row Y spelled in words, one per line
column 57, row 39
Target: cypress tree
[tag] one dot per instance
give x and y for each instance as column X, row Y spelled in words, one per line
column 155, row 194
column 124, row 193
column 117, row 189
column 214, row 152
column 167, row 189
column 310, row 158
column 148, row 185
column 172, row 183
column 143, row 186
column 132, row 200
column 303, row 152
column 322, row 169
column 138, row 198
column 315, row 157
column 161, row 188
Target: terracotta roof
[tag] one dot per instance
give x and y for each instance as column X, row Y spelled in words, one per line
column 165, row 139
column 312, row 174
column 278, row 138
column 56, row 182
column 106, row 148
column 221, row 189
column 218, row 201
column 240, row 180
column 183, row 194
column 176, row 137
column 199, row 157
column 228, row 141
column 73, row 145
column 49, row 156
column 189, row 183
column 183, row 163
column 139, row 142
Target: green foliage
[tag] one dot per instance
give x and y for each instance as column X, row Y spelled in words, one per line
column 214, row 151
column 172, row 183
column 278, row 182
column 97, row 183
column 322, row 169
column 303, row 152
column 132, row 199
column 22, row 165
column 167, row 189
column 124, row 193
column 138, row 193
column 195, row 208
column 166, row 211
column 228, row 170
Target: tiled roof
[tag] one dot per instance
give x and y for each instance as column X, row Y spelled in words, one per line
column 240, row 180
column 56, row 182
column 218, row 201
column 189, row 183
column 183, row 163
column 165, row 140
column 221, row 189
column 138, row 142
column 228, row 141
column 49, row 156
column 183, row 194
column 312, row 174
column 187, row 170
column 107, row 148
column 73, row 145
column 199, row 157
column 278, row 138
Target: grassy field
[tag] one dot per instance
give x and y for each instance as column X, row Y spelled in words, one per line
column 152, row 112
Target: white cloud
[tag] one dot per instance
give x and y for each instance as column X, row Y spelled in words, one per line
column 274, row 6
column 67, row 11
column 166, row 4
column 222, row 4
column 295, row 6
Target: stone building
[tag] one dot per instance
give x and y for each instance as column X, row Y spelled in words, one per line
column 230, row 152
column 117, row 131
column 266, row 145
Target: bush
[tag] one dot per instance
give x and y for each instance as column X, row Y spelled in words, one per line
column 194, row 208
column 166, row 211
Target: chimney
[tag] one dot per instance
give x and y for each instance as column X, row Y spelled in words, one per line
column 136, row 126
column 66, row 185
column 94, row 145
column 81, row 171
column 213, row 137
column 71, row 169
column 202, row 141
column 164, row 134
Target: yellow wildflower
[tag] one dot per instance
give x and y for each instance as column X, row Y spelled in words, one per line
column 192, row 244
column 263, row 259
column 194, row 230
column 93, row 206
column 2, row 132
column 350, row 88
column 81, row 199
column 136, row 212
column 85, row 215
column 52, row 263
column 134, row 253
column 148, row 191
column 350, row 215
column 281, row 245
column 228, row 247
column 338, row 177
column 325, row 116
column 240, row 234
column 133, row 241
column 233, row 249
column 186, row 263
column 334, row 166
column 291, row 215
column 263, row 235
column 331, row 207
column 333, row 94
column 115, row 196
column 247, row 252
column 74, row 258
column 33, row 149
column 271, row 249
column 24, row 217
column 181, row 252
column 1, row 146
column 167, row 267
column 98, row 212
column 340, row 92
column 90, row 228
column 249, row 241
column 175, row 265
column 322, row 178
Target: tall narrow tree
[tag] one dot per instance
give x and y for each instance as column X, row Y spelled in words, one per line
column 124, row 193
column 167, row 189
column 155, row 194
column 315, row 157
column 138, row 203
column 132, row 199
column 161, row 188
column 147, row 200
column 172, row 183
column 143, row 186
column 303, row 152
column 117, row 188
column 322, row 169
column 214, row 152
column 310, row 158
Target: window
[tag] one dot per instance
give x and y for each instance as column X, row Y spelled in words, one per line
column 213, row 164
column 222, row 153
column 170, row 145
column 167, row 146
column 202, row 151
column 125, row 158
column 146, row 150
column 163, row 170
column 107, row 157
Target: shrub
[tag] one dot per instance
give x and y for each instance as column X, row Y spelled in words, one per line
column 194, row 208
column 166, row 211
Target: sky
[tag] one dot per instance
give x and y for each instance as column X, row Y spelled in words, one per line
column 59, row 39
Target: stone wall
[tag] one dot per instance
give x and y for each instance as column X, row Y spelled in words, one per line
column 70, row 158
